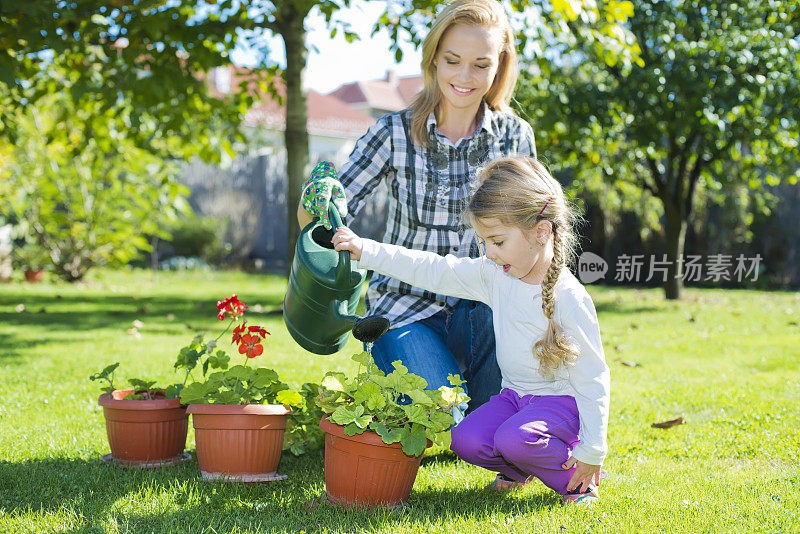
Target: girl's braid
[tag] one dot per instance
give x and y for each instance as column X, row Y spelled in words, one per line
column 550, row 279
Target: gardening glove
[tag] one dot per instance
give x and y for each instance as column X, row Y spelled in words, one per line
column 322, row 188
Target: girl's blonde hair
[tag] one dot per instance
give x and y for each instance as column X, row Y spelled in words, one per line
column 520, row 192
column 484, row 13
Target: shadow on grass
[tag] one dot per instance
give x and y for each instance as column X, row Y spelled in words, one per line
column 85, row 487
column 175, row 499
column 87, row 313
column 272, row 509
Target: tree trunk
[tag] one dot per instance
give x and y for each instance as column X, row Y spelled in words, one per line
column 296, row 134
column 675, row 238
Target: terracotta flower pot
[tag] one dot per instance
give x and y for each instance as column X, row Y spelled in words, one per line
column 144, row 433
column 34, row 275
column 364, row 470
column 239, row 443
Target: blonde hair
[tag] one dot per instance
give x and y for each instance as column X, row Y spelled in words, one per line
column 485, row 13
column 520, row 192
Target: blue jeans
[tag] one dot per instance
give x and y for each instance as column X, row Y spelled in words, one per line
column 461, row 343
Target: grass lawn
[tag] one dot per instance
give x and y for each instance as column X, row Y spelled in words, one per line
column 727, row 361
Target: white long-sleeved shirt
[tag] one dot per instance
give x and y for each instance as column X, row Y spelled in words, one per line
column 518, row 323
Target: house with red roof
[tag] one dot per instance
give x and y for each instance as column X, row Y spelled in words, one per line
column 379, row 97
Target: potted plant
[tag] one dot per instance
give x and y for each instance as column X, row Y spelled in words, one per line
column 239, row 413
column 146, row 426
column 377, row 428
column 32, row 259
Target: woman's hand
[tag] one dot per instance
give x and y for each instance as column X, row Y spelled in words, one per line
column 584, row 474
column 345, row 239
column 320, row 191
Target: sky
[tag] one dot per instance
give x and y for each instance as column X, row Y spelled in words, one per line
column 336, row 61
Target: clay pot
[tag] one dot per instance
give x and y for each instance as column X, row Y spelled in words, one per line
column 34, row 275
column 144, row 433
column 239, row 443
column 363, row 470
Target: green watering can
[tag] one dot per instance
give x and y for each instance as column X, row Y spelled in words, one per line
column 323, row 294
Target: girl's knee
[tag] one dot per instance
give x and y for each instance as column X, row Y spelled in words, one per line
column 522, row 446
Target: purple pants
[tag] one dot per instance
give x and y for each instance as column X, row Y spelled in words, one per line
column 518, row 437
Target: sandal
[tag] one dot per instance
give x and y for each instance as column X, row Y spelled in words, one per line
column 503, row 483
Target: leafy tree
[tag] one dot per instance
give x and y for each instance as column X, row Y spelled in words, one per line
column 144, row 61
column 86, row 192
column 97, row 101
column 720, row 84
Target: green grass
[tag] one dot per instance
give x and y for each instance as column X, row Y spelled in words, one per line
column 727, row 361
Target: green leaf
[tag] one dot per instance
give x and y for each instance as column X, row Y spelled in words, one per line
column 344, row 415
column 289, row 397
column 414, row 441
column 105, row 373
column 195, row 393
column 141, row 385
column 388, row 436
column 416, row 414
column 334, row 382
column 364, row 358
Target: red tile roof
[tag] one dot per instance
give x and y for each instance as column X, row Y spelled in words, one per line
column 391, row 93
column 326, row 116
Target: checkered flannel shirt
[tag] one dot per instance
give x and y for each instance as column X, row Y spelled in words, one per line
column 428, row 191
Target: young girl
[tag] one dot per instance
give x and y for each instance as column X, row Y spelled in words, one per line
column 550, row 419
column 426, row 157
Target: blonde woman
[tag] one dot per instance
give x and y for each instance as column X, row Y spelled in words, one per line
column 427, row 156
column 550, row 419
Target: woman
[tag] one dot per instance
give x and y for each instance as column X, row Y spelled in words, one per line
column 428, row 155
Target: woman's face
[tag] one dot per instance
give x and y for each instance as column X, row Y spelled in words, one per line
column 466, row 63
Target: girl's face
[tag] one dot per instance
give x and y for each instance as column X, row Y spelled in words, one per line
column 466, row 62
column 515, row 250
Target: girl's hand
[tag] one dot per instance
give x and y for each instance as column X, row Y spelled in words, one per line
column 345, row 239
column 584, row 474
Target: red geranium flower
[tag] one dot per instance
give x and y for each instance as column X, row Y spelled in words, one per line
column 261, row 331
column 237, row 332
column 251, row 346
column 230, row 306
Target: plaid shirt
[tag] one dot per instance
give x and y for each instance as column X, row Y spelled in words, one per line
column 428, row 191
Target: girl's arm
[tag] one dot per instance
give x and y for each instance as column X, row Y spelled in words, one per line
column 590, row 376
column 466, row 278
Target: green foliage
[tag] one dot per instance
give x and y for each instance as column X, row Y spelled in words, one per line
column 142, row 389
column 87, row 194
column 106, row 375
column 143, row 65
column 716, row 87
column 195, row 236
column 302, row 431
column 241, row 385
column 395, row 406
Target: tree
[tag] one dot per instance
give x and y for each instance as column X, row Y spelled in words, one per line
column 97, row 102
column 87, row 206
column 720, row 84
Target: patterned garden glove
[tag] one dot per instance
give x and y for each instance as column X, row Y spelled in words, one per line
column 322, row 188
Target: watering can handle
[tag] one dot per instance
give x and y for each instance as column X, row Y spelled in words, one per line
column 343, row 269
